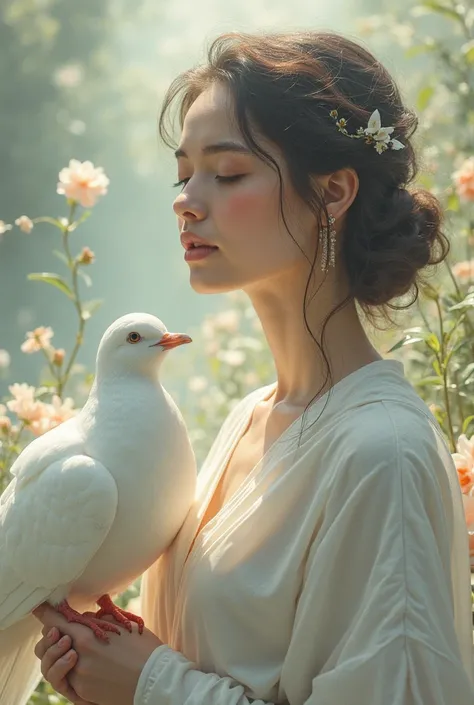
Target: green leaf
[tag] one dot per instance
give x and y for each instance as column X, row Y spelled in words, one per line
column 433, row 343
column 467, row 50
column 452, row 203
column 90, row 307
column 62, row 257
column 83, row 217
column 54, row 280
column 466, row 423
column 467, row 302
column 442, row 10
column 467, row 371
column 414, row 51
column 428, row 381
column 406, row 340
column 424, row 97
column 85, row 276
column 437, row 368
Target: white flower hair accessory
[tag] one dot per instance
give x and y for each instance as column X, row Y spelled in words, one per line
column 374, row 133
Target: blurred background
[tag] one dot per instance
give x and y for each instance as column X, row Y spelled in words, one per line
column 85, row 80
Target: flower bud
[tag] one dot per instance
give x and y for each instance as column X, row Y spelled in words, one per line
column 58, row 357
column 86, row 256
column 5, row 424
column 24, row 223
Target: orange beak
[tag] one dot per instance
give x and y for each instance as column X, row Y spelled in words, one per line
column 172, row 340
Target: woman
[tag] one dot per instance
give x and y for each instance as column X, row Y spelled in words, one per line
column 325, row 560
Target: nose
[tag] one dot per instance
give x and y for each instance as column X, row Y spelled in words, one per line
column 189, row 209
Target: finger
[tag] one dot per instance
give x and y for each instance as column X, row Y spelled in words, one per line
column 53, row 653
column 57, row 676
column 49, row 637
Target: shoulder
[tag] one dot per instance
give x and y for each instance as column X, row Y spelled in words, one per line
column 397, row 440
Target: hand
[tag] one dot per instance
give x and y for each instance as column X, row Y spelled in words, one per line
column 98, row 673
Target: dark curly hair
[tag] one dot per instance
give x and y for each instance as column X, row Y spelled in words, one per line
column 287, row 84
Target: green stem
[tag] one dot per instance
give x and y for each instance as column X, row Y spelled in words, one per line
column 444, row 371
column 467, row 322
column 461, row 411
column 51, row 367
column 14, row 442
column 77, row 303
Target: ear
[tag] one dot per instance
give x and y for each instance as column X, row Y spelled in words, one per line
column 339, row 190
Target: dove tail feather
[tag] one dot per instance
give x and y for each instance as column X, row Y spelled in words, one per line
column 19, row 667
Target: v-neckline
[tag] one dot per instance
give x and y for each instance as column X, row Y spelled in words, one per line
column 266, row 393
column 218, row 476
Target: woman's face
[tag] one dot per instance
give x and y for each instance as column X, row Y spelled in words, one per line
column 240, row 216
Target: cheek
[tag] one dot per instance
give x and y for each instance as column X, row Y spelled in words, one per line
column 248, row 209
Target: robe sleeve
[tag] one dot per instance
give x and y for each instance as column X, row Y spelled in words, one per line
column 374, row 620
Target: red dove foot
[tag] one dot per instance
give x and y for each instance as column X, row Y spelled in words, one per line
column 121, row 616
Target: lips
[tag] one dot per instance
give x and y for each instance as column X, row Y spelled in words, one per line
column 190, row 240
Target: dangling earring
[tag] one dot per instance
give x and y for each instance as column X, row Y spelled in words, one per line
column 323, row 239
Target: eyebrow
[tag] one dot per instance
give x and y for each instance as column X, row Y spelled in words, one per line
column 227, row 146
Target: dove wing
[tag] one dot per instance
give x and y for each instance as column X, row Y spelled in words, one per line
column 50, row 529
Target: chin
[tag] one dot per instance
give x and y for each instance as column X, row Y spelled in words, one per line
column 202, row 286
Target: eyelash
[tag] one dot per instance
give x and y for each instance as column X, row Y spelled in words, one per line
column 222, row 179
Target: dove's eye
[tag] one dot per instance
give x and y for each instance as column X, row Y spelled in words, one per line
column 134, row 337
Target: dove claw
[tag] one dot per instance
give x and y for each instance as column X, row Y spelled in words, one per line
column 88, row 619
column 122, row 616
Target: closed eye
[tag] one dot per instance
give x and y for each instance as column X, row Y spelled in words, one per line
column 222, row 179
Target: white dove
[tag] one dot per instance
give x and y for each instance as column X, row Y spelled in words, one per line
column 95, row 501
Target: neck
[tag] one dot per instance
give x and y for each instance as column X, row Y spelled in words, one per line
column 301, row 369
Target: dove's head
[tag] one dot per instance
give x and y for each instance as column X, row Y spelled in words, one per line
column 136, row 343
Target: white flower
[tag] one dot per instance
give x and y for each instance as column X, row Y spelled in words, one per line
column 68, row 75
column 227, row 320
column 4, row 359
column 4, row 227
column 374, row 127
column 381, row 135
column 197, row 384
column 395, row 144
column 234, row 358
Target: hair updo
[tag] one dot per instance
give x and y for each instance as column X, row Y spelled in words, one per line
column 287, row 83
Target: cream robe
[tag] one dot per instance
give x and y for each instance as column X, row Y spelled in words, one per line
column 338, row 574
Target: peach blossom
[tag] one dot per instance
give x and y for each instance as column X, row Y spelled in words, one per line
column 61, row 410
column 82, row 182
column 53, row 415
column 464, row 270
column 464, row 462
column 24, row 404
column 24, row 223
column 464, row 180
column 37, row 339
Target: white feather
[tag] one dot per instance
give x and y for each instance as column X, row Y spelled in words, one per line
column 94, row 502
